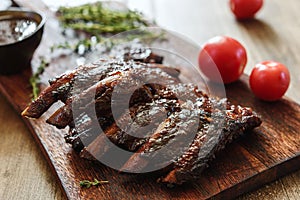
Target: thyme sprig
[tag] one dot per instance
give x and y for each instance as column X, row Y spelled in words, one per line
column 88, row 184
column 35, row 78
column 96, row 19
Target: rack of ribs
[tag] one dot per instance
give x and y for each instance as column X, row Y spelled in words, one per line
column 186, row 126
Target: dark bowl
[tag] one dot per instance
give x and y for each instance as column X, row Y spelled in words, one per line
column 16, row 56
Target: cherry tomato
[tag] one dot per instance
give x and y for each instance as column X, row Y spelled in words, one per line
column 269, row 80
column 223, row 56
column 245, row 9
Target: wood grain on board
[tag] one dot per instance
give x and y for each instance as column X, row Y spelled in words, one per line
column 265, row 154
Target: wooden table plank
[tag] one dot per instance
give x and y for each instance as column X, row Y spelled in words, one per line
column 24, row 171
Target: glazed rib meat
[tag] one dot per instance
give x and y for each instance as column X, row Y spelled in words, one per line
column 164, row 100
column 217, row 127
column 218, row 123
column 61, row 88
column 146, row 110
column 102, row 104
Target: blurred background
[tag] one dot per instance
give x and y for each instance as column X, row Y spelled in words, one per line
column 275, row 27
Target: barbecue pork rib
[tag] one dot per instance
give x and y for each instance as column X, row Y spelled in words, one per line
column 165, row 124
column 102, row 104
column 216, row 122
column 216, row 129
column 61, row 88
column 164, row 100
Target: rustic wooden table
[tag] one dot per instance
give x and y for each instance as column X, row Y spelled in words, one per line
column 24, row 173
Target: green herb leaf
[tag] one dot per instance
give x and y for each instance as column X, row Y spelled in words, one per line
column 88, row 184
column 35, row 78
column 97, row 19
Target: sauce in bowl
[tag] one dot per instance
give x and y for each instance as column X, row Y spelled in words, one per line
column 21, row 32
column 13, row 30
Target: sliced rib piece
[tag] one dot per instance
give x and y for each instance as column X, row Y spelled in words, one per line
column 166, row 99
column 218, row 125
column 141, row 89
column 61, row 88
column 175, row 131
column 125, row 80
column 64, row 116
column 130, row 133
column 174, row 134
column 210, row 140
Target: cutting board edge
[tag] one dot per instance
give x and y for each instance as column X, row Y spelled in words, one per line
column 260, row 179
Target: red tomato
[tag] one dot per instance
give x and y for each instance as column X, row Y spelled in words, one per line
column 245, row 9
column 269, row 80
column 223, row 56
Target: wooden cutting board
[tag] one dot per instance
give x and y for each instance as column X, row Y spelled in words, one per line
column 269, row 152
